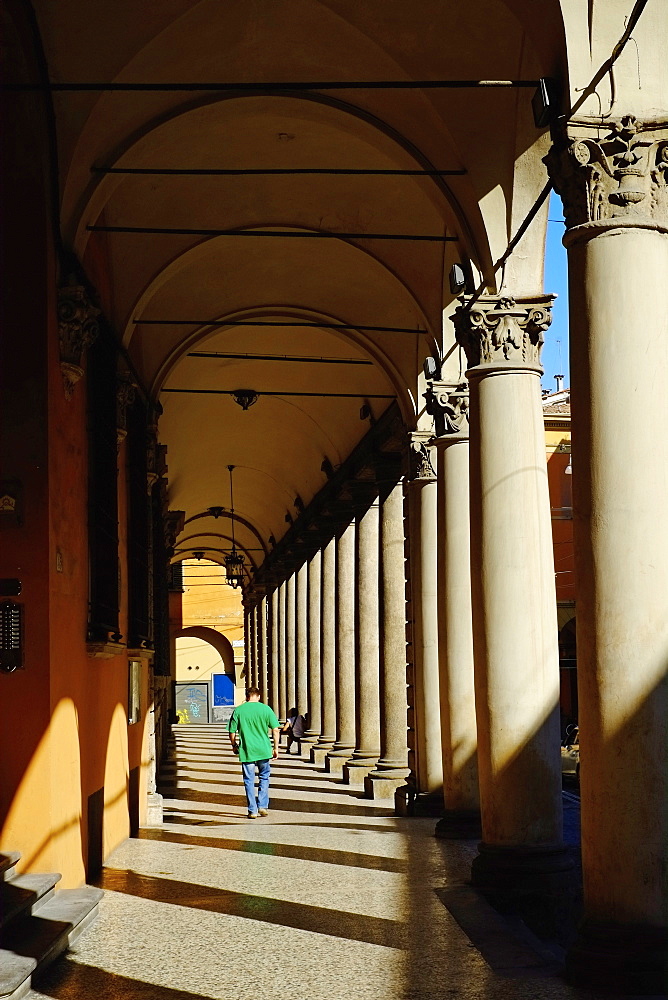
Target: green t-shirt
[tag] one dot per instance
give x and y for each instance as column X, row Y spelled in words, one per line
column 252, row 721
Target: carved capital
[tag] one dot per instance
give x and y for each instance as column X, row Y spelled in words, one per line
column 499, row 329
column 448, row 404
column 125, row 397
column 173, row 522
column 623, row 176
column 78, row 326
column 420, row 454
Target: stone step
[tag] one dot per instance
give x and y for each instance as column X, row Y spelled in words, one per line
column 24, row 892
column 8, row 863
column 30, row 943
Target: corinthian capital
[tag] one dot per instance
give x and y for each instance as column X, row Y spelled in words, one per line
column 623, row 176
column 502, row 330
column 78, row 327
column 448, row 404
column 420, row 457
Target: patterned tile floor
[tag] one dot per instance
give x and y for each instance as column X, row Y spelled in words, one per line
column 330, row 897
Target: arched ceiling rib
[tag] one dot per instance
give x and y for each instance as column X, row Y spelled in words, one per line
column 279, row 444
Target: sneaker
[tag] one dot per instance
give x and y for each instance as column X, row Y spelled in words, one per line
column 263, row 812
column 252, row 815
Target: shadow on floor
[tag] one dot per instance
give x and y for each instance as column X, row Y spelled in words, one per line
column 297, row 851
column 317, row 919
column 68, row 980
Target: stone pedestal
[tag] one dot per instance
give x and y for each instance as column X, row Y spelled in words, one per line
column 154, row 809
column 392, row 767
column 613, row 182
column 514, row 603
column 345, row 651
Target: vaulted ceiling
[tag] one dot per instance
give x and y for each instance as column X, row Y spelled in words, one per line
column 299, row 300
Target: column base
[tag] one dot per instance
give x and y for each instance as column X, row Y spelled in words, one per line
column 619, row 959
column 523, row 870
column 381, row 784
column 318, row 753
column 459, row 824
column 154, row 812
column 355, row 771
column 335, row 760
column 409, row 802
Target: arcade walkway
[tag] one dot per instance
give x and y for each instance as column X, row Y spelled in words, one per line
column 331, row 897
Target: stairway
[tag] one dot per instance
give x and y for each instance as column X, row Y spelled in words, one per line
column 36, row 923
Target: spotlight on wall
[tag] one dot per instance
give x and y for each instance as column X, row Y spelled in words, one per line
column 457, row 279
column 545, row 102
column 198, row 554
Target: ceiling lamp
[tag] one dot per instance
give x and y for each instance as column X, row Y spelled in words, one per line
column 234, row 561
column 245, row 398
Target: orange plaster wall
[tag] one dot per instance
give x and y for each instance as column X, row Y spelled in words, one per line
column 64, row 733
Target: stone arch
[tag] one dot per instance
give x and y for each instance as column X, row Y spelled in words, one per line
column 220, row 643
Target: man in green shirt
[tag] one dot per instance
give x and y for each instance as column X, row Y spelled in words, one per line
column 249, row 732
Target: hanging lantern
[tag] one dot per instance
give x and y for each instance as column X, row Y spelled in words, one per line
column 234, row 560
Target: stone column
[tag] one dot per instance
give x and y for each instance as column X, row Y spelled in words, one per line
column 345, row 651
column 514, row 600
column 314, row 704
column 613, row 182
column 262, row 646
column 425, row 787
column 327, row 653
column 367, row 698
column 291, row 641
column 247, row 642
column 449, row 406
column 301, row 639
column 273, row 656
column 392, row 768
column 282, row 649
column 252, row 638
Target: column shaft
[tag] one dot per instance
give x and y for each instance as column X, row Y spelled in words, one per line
column 262, row 647
column 282, row 633
column 428, row 775
column 619, row 317
column 345, row 651
column 273, row 657
column 327, row 652
column 314, row 705
column 455, row 638
column 392, row 769
column 301, row 643
column 367, row 697
column 290, row 641
column 514, row 600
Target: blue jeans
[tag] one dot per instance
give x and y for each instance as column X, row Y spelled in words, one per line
column 248, row 770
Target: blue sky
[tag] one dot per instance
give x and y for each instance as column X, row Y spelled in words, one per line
column 556, row 338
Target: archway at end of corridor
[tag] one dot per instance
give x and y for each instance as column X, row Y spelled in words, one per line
column 205, row 676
